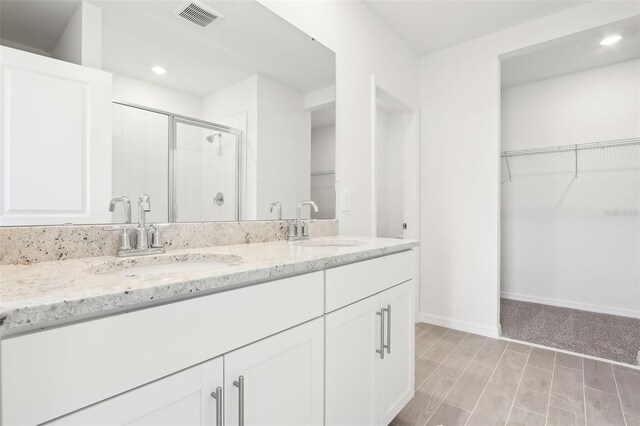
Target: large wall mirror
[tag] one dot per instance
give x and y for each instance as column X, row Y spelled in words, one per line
column 215, row 109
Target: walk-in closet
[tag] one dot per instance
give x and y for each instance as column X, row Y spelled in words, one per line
column 570, row 193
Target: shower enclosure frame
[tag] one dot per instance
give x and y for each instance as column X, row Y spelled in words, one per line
column 173, row 121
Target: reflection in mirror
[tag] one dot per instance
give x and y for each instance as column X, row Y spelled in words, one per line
column 215, row 119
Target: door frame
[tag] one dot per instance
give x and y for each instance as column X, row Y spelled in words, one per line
column 380, row 91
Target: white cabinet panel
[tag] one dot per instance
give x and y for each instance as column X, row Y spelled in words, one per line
column 364, row 388
column 352, row 365
column 56, row 141
column 396, row 369
column 282, row 377
column 350, row 283
column 182, row 399
column 55, row 371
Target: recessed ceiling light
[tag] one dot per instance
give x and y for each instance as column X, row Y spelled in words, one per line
column 159, row 70
column 611, row 40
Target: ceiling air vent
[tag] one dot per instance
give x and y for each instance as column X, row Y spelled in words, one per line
column 198, row 13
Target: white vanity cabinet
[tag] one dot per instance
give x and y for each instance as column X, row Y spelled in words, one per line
column 328, row 347
column 369, row 364
column 51, row 373
column 275, row 381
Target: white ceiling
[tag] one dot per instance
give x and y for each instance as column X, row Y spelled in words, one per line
column 574, row 53
column 428, row 26
column 138, row 35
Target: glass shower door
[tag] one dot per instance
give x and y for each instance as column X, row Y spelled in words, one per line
column 205, row 172
column 140, row 157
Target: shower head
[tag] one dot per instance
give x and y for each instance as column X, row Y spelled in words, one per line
column 212, row 138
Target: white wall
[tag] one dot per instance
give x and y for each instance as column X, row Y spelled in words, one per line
column 140, row 92
column 562, row 242
column 460, row 166
column 593, row 105
column 81, row 41
column 364, row 46
column 323, row 158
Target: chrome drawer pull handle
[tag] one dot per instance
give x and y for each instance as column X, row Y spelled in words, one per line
column 381, row 350
column 217, row 395
column 388, row 345
column 240, row 385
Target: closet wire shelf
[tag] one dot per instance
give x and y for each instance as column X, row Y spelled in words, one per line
column 568, row 148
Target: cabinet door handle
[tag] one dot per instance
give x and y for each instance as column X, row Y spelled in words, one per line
column 217, row 395
column 388, row 345
column 240, row 385
column 381, row 350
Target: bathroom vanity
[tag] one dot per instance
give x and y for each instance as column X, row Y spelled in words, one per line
column 307, row 333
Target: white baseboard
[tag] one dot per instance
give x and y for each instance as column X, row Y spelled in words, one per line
column 456, row 324
column 570, row 304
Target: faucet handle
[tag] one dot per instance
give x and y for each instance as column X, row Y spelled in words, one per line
column 156, row 237
column 125, row 236
column 305, row 230
column 293, row 231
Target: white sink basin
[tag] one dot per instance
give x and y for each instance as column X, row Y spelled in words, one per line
column 165, row 264
column 330, row 243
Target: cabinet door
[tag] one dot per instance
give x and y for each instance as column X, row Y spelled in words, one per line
column 55, row 126
column 281, row 376
column 182, row 399
column 352, row 364
column 396, row 369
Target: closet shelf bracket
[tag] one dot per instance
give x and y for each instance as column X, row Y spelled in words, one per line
column 506, row 158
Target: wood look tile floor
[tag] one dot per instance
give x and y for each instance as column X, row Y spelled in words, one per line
column 466, row 379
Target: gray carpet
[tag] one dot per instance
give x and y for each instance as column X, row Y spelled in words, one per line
column 589, row 333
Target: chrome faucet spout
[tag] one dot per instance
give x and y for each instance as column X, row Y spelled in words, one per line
column 127, row 207
column 301, row 229
column 277, row 205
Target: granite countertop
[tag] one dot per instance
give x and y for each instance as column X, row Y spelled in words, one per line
column 57, row 292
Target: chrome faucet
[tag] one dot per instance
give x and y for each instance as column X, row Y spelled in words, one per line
column 125, row 237
column 302, row 228
column 127, row 207
column 142, row 246
column 278, row 206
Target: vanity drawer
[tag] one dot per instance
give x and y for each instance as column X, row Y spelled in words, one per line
column 56, row 371
column 350, row 283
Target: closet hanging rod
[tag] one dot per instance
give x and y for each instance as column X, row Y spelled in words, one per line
column 572, row 148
